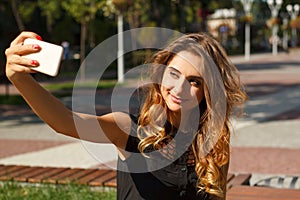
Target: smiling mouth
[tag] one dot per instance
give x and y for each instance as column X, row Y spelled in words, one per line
column 176, row 99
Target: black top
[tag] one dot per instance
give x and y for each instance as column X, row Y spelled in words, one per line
column 174, row 181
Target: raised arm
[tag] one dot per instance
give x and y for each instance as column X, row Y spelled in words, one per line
column 100, row 129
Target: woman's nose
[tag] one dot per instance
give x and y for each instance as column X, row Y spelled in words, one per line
column 179, row 86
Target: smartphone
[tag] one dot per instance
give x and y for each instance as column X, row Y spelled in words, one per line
column 49, row 57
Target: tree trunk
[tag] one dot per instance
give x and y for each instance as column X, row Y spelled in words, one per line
column 92, row 27
column 82, row 49
column 49, row 23
column 17, row 16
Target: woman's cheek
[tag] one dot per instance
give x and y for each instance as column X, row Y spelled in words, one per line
column 199, row 94
column 167, row 83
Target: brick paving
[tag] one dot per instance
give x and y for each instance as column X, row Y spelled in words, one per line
column 58, row 175
column 265, row 160
column 12, row 147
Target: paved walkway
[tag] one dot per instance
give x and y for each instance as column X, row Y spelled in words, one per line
column 266, row 141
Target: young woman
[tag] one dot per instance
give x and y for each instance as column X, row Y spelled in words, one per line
column 178, row 145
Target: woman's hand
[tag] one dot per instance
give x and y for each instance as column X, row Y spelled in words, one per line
column 15, row 63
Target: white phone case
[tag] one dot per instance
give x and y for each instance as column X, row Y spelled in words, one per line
column 49, row 57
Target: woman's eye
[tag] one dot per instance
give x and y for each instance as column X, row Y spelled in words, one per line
column 195, row 83
column 174, row 74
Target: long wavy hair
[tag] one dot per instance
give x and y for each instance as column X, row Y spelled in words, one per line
column 211, row 156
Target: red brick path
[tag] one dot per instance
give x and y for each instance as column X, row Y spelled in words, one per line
column 265, row 160
column 11, row 147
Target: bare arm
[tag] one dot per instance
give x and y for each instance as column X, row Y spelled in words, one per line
column 101, row 129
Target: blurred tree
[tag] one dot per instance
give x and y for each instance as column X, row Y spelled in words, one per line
column 27, row 10
column 51, row 9
column 30, row 12
column 15, row 10
column 83, row 11
column 136, row 13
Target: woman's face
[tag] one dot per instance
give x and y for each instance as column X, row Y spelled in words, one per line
column 182, row 84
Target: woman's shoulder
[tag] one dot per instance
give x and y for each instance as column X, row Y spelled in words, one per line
column 128, row 123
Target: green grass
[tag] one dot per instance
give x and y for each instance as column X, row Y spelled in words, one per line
column 59, row 90
column 104, row 84
column 11, row 100
column 14, row 191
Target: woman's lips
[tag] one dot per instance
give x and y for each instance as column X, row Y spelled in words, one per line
column 176, row 99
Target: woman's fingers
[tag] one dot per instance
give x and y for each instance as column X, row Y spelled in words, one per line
column 21, row 69
column 15, row 62
column 20, row 38
column 19, row 60
column 22, row 49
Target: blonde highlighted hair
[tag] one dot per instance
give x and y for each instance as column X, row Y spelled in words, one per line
column 211, row 155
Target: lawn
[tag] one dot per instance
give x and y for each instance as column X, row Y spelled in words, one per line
column 103, row 84
column 60, row 89
column 11, row 100
column 16, row 191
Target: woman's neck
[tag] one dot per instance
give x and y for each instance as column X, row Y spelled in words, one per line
column 180, row 120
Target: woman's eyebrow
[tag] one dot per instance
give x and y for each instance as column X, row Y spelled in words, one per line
column 173, row 68
column 195, row 77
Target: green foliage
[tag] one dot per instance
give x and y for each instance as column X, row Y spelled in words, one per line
column 215, row 4
column 11, row 190
column 82, row 9
column 26, row 10
column 50, row 8
column 137, row 13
